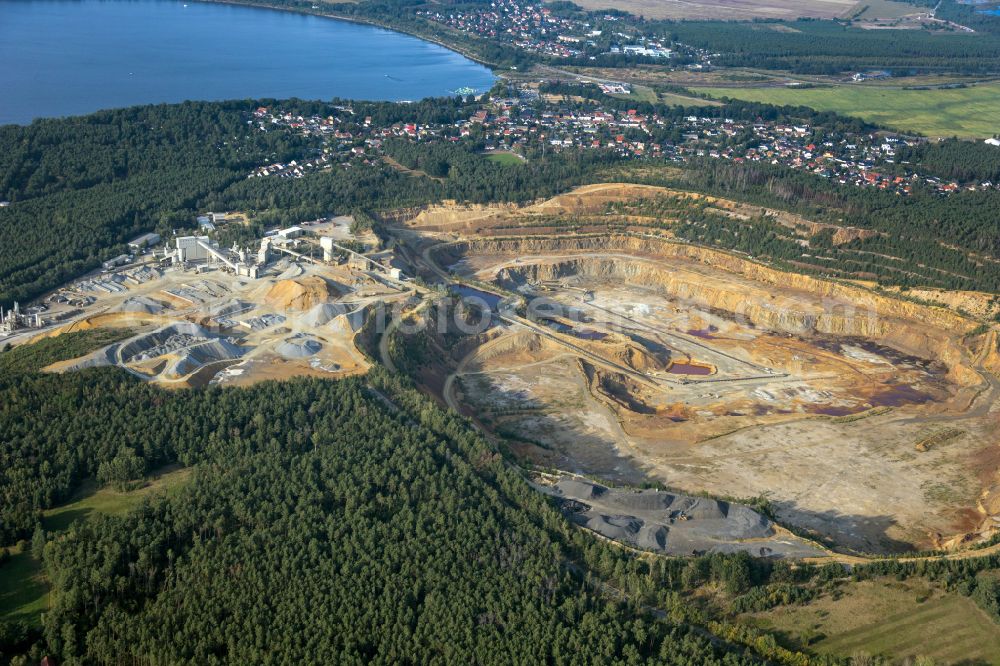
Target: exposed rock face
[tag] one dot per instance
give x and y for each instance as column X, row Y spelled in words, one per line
column 447, row 217
column 991, row 352
column 803, row 306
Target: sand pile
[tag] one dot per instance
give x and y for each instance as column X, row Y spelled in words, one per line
column 637, row 358
column 300, row 294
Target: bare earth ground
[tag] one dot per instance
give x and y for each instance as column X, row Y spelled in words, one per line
column 860, row 482
column 869, row 420
column 879, row 435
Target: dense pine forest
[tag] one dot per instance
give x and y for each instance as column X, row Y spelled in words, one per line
column 354, row 521
column 831, row 47
column 924, row 239
column 955, row 160
column 346, row 521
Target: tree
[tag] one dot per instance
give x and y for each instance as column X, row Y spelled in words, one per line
column 38, row 539
column 124, row 468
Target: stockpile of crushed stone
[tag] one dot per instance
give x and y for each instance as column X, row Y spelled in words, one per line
column 293, row 271
column 299, row 346
column 155, row 343
column 348, row 323
column 141, row 304
column 670, row 523
column 322, row 314
column 193, row 358
column 580, row 490
column 232, row 307
column 186, row 347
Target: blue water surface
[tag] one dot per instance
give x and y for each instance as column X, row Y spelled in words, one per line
column 68, row 57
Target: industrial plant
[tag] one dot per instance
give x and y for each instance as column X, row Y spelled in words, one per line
column 290, row 302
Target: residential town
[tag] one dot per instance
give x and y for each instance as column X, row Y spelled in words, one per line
column 542, row 31
column 526, row 121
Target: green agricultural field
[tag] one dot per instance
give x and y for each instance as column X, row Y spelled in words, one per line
column 21, row 601
column 893, row 619
column 972, row 112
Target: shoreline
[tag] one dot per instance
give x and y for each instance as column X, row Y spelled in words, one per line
column 361, row 21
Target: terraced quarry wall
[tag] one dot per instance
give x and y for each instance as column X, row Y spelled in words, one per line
column 801, row 408
column 768, row 298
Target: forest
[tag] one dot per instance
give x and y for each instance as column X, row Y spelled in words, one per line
column 81, row 187
column 886, row 258
column 75, row 201
column 961, row 161
column 965, row 13
column 831, row 47
column 354, row 521
column 930, row 239
column 346, row 521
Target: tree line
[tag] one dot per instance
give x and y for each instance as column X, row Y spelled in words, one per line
column 347, row 521
column 945, row 241
column 830, row 47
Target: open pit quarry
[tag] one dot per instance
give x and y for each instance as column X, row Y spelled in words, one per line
column 206, row 325
column 866, row 419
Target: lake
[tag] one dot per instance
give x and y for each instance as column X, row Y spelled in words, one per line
column 69, row 57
